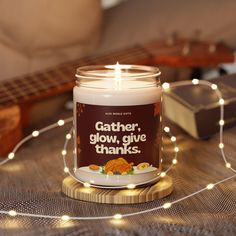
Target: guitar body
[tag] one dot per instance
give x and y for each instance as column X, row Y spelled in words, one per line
column 10, row 128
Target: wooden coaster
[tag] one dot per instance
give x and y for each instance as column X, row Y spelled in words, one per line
column 76, row 190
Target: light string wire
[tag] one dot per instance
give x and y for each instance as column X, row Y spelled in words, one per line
column 166, row 87
column 35, row 134
column 129, row 186
column 221, row 102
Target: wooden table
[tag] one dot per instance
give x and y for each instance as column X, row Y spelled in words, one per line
column 32, row 183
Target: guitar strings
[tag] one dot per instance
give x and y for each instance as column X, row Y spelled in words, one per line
column 13, row 95
column 129, row 54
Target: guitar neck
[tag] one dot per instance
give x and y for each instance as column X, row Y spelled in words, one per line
column 60, row 79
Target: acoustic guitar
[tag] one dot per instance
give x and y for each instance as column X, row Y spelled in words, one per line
column 19, row 94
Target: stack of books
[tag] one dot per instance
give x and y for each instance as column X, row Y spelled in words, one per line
column 196, row 108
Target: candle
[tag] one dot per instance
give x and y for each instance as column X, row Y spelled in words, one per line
column 117, row 120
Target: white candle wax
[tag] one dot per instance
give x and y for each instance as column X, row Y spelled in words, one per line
column 127, row 94
column 117, row 119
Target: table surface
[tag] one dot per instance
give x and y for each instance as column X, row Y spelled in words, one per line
column 32, row 183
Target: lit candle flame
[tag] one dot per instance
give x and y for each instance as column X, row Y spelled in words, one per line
column 117, row 75
column 117, row 71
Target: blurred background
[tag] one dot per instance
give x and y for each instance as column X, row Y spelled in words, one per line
column 43, row 42
column 35, row 35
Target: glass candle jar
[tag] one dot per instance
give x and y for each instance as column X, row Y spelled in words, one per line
column 117, row 120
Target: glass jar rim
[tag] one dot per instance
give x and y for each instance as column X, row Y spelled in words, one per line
column 132, row 72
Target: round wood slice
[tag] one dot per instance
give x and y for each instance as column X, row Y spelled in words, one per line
column 76, row 190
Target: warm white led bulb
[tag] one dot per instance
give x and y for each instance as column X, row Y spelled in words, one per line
column 65, row 217
column 66, row 169
column 167, row 129
column 163, row 174
column 11, row 155
column 61, row 122
column 214, row 86
column 166, row 205
column 68, row 136
column 195, row 81
column 12, row 213
column 221, row 145
column 221, row 101
column 63, row 152
column 228, row 165
column 87, row 185
column 35, row 133
column 174, row 161
column 221, row 122
column 165, row 86
column 176, row 149
column 210, row 186
column 117, row 216
column 131, row 186
column 173, row 138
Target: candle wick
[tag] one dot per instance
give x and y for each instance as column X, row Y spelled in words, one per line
column 117, row 76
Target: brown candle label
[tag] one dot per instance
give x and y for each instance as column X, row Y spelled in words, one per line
column 117, row 139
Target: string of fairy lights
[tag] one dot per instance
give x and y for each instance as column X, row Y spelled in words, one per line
column 129, row 186
column 117, row 216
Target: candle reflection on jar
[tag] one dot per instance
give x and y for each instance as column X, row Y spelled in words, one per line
column 117, row 123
